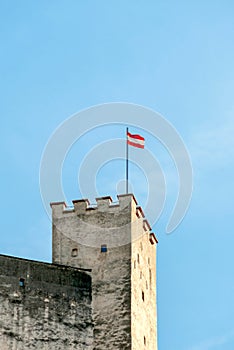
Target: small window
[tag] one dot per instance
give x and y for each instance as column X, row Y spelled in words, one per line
column 141, row 245
column 134, row 264
column 146, row 284
column 21, row 282
column 103, row 248
column 144, row 340
column 138, row 258
column 74, row 252
column 150, row 277
column 143, row 296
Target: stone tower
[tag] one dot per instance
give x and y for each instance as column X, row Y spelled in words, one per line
column 115, row 241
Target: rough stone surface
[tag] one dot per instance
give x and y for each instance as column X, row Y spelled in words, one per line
column 57, row 306
column 143, row 287
column 122, row 320
column 51, row 311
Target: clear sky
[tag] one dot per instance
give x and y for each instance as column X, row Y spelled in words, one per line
column 176, row 57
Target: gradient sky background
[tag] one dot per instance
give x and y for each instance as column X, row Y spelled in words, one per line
column 176, row 57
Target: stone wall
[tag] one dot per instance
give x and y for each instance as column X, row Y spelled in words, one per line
column 57, row 306
column 83, row 231
column 121, row 319
column 143, row 287
column 44, row 306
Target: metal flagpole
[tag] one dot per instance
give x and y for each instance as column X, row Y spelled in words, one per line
column 126, row 160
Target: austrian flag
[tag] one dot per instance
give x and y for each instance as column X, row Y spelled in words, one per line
column 135, row 140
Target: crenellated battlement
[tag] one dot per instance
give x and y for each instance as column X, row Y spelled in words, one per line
column 80, row 206
column 119, row 222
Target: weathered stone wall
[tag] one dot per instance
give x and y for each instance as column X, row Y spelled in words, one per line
column 143, row 286
column 50, row 310
column 121, row 318
column 56, row 306
column 87, row 230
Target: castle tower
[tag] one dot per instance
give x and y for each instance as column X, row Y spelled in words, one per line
column 115, row 241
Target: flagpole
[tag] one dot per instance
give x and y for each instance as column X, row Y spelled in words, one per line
column 126, row 160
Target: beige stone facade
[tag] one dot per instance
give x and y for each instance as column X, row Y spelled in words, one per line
column 115, row 241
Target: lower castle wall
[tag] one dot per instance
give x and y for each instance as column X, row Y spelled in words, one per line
column 51, row 311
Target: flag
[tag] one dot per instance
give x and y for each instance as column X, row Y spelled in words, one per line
column 135, row 140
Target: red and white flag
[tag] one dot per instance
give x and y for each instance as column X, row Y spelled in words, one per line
column 135, row 140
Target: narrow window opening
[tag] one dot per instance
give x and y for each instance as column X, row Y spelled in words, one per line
column 21, row 282
column 146, row 284
column 74, row 252
column 134, row 264
column 143, row 296
column 103, row 248
column 144, row 340
column 141, row 246
column 138, row 258
column 150, row 277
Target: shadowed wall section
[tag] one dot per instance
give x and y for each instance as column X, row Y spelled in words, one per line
column 44, row 306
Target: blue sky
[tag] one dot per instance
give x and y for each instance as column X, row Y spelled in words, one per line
column 175, row 57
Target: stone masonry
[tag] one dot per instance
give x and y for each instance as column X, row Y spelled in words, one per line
column 44, row 306
column 98, row 293
column 116, row 242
